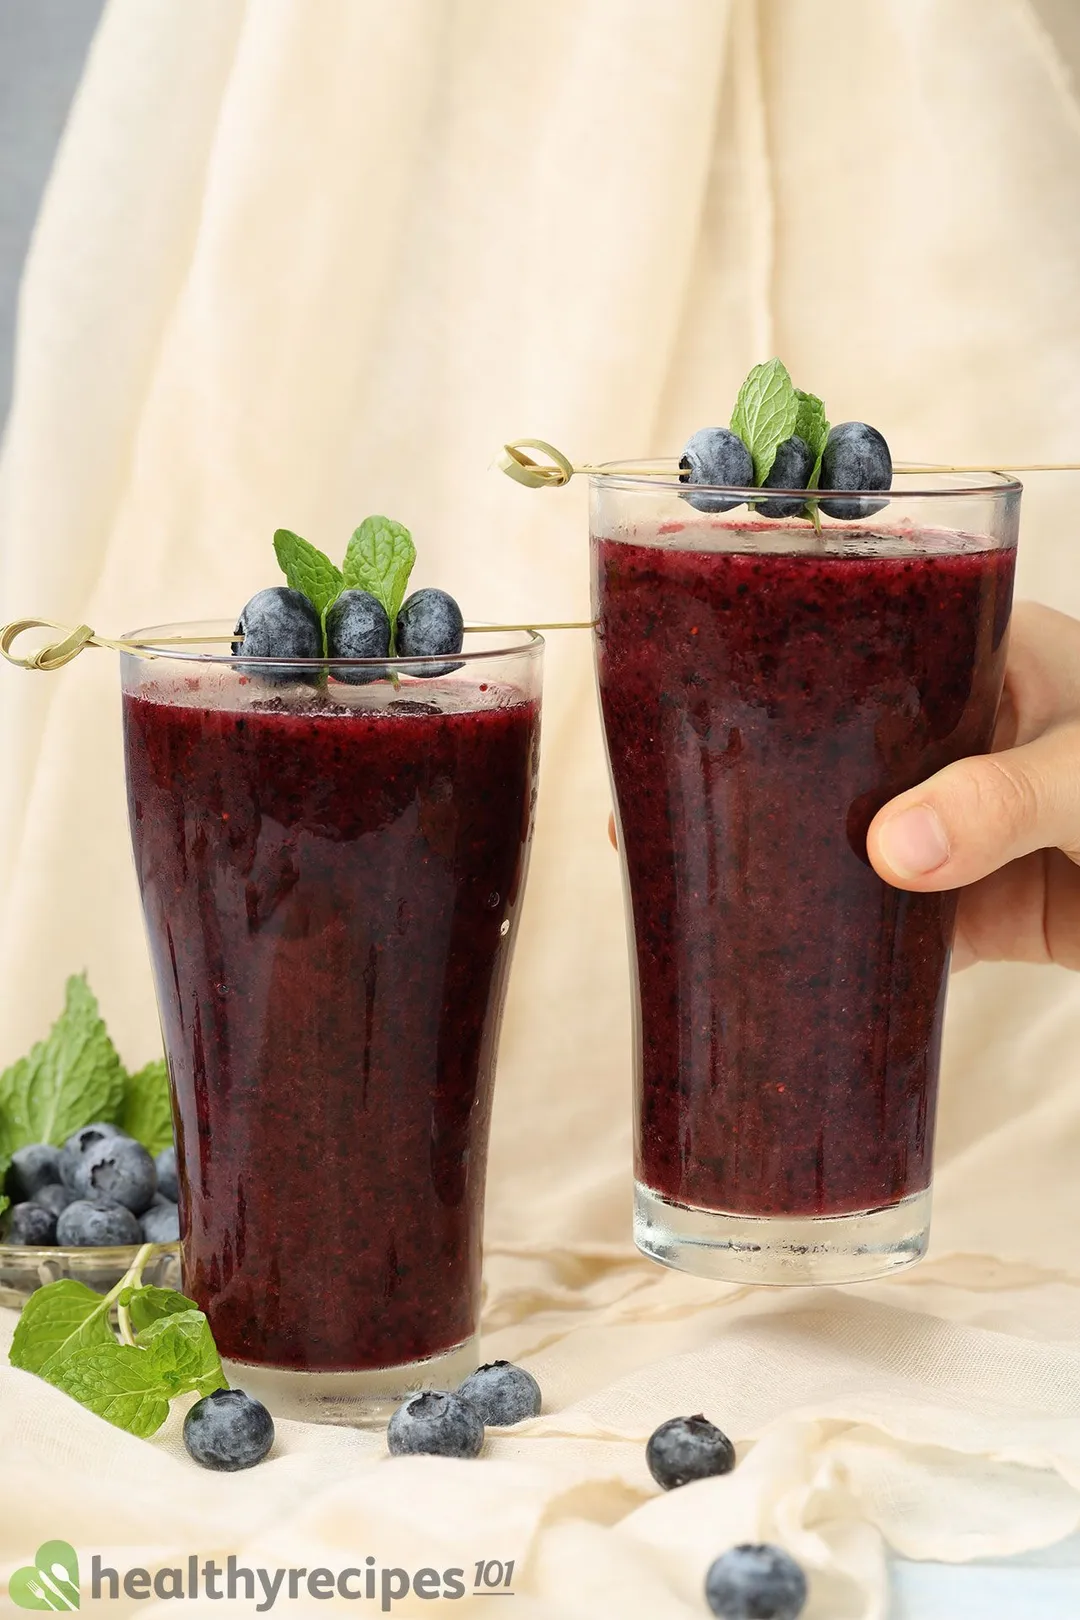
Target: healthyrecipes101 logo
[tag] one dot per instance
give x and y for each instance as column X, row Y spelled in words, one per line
column 51, row 1581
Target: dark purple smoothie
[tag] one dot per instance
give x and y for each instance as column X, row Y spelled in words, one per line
column 331, row 890
column 760, row 707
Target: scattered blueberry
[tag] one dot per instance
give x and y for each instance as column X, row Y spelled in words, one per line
column 120, row 1169
column 716, row 456
column 29, row 1226
column 502, row 1393
column 429, row 621
column 687, row 1448
column 358, row 626
column 435, row 1423
column 31, row 1169
column 54, row 1197
column 755, row 1583
column 855, row 457
column 161, row 1224
column 228, row 1430
column 97, row 1223
column 78, row 1143
column 279, row 623
column 791, row 470
column 165, row 1164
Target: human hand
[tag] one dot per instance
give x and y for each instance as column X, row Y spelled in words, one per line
column 1005, row 826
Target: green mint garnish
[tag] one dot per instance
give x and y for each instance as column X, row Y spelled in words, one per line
column 147, row 1305
column 120, row 1384
column 765, row 414
column 57, row 1321
column 75, row 1077
column 166, row 1348
column 72, row 1077
column 769, row 410
column 812, row 425
column 182, row 1350
column 309, row 571
column 147, row 1111
column 379, row 560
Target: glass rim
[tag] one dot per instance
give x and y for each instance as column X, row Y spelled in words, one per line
column 994, row 485
column 144, row 645
column 86, row 1255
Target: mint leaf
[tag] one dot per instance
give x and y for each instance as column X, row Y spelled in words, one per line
column 812, row 425
column 119, row 1382
column 379, row 560
column 56, row 1321
column 64, row 1336
column 73, row 1076
column 148, row 1305
column 308, row 570
column 765, row 414
column 147, row 1110
column 183, row 1353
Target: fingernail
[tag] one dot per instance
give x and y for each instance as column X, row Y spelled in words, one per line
column 914, row 842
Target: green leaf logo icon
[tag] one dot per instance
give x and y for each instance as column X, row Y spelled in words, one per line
column 51, row 1581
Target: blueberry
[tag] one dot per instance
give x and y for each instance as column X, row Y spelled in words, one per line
column 791, row 470
column 97, row 1223
column 161, row 1224
column 165, row 1163
column 31, row 1169
column 120, row 1169
column 358, row 626
column 715, row 456
column 279, row 623
column 435, row 1423
column 686, row 1448
column 29, row 1226
column 502, row 1393
column 54, row 1197
column 78, row 1143
column 755, row 1583
column 228, row 1430
column 429, row 621
column 855, row 457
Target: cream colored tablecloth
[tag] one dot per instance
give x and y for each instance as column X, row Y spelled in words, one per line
column 306, row 259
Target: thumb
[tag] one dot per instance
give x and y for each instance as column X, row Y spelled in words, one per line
column 978, row 814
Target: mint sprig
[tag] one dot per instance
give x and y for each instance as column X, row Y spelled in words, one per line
column 57, row 1321
column 74, row 1077
column 765, row 414
column 812, row 425
column 147, row 1110
column 309, row 571
column 379, row 560
column 71, row 1077
column 165, row 1347
column 770, row 409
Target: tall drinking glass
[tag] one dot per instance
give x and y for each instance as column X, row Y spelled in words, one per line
column 765, row 690
column 331, row 865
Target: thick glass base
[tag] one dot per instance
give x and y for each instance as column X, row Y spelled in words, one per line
column 359, row 1399
column 782, row 1250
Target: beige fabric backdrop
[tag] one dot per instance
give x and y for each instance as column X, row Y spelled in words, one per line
column 300, row 261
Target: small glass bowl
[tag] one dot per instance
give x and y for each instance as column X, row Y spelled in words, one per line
column 22, row 1270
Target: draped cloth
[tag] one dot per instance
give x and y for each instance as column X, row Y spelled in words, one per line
column 300, row 262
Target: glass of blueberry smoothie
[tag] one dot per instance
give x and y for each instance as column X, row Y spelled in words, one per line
column 767, row 683
column 331, row 851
